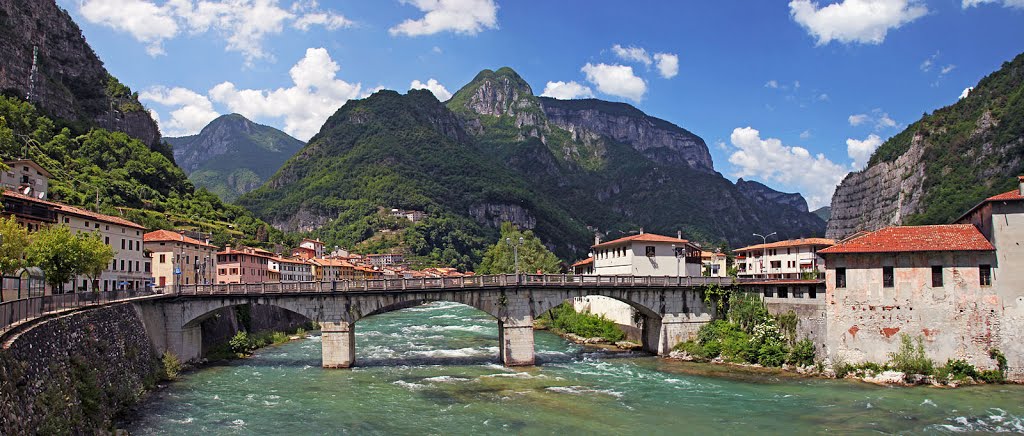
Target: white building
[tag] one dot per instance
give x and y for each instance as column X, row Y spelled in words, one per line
column 790, row 259
column 27, row 178
column 130, row 268
column 647, row 254
column 315, row 246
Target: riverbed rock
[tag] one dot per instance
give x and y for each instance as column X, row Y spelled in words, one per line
column 681, row 355
column 627, row 345
column 886, row 378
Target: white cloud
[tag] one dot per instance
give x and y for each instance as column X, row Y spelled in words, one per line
column 632, row 54
column 773, row 84
column 769, row 159
column 194, row 111
column 244, row 24
column 966, row 92
column 368, row 92
column 860, row 150
column 823, row 97
column 617, row 80
column 316, row 94
column 947, row 69
column 460, row 16
column 433, row 86
column 860, row 21
column 145, row 21
column 567, row 90
column 858, row 119
column 880, row 119
column 668, row 64
column 927, row 64
column 806, row 134
column 1006, row 3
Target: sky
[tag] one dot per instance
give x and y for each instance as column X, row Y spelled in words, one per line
column 792, row 94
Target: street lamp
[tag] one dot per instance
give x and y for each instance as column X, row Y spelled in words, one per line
column 515, row 252
column 764, row 254
column 677, row 252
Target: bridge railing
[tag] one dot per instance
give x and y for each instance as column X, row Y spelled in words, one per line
column 427, row 283
column 16, row 311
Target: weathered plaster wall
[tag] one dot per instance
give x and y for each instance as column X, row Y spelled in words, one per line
column 621, row 313
column 1008, row 279
column 76, row 373
column 959, row 320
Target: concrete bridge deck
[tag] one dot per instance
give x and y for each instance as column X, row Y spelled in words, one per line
column 672, row 308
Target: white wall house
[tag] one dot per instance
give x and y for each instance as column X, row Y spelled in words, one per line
column 27, row 178
column 647, row 254
column 789, row 259
column 130, row 268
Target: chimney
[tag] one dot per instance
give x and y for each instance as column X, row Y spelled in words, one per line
column 641, row 230
column 227, row 248
column 1020, row 185
column 597, row 238
column 679, row 234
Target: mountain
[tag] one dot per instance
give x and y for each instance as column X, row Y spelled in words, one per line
column 824, row 212
column 495, row 152
column 232, row 155
column 942, row 164
column 47, row 61
column 759, row 192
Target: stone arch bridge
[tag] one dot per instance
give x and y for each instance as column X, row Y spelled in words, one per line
column 672, row 308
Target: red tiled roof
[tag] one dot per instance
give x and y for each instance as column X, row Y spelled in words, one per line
column 586, row 261
column 71, row 210
column 789, row 243
column 949, row 237
column 167, row 235
column 643, row 237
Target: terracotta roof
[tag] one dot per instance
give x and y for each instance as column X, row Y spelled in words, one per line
column 586, row 261
column 167, row 235
column 334, row 262
column 71, row 210
column 247, row 250
column 949, row 237
column 32, row 163
column 789, row 243
column 643, row 237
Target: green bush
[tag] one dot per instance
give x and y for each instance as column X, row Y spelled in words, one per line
column 911, row 358
column 585, row 324
column 772, row 353
column 802, row 353
column 240, row 343
column 300, row 332
column 278, row 338
column 692, row 348
column 959, row 369
column 172, row 365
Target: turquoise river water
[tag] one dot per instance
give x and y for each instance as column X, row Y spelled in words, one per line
column 433, row 370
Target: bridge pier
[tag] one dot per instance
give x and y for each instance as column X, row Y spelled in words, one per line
column 186, row 343
column 338, row 341
column 660, row 335
column 515, row 340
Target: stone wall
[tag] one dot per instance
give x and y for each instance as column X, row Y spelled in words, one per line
column 618, row 312
column 254, row 318
column 76, row 372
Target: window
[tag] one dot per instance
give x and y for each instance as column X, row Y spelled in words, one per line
column 783, row 292
column 122, row 264
column 106, row 240
column 887, row 277
column 649, row 250
column 776, row 264
column 812, row 292
column 840, row 277
column 937, row 276
column 163, row 258
column 985, row 275
column 97, row 225
column 122, row 244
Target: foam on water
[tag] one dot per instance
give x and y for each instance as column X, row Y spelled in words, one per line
column 580, row 390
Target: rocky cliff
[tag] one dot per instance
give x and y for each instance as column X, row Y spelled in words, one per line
column 47, row 61
column 232, row 155
column 759, row 192
column 941, row 165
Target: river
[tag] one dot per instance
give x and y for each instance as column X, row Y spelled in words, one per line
column 433, row 369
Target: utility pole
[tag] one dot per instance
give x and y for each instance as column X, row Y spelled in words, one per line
column 515, row 253
column 764, row 252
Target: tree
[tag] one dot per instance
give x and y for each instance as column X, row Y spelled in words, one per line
column 12, row 249
column 533, row 255
column 63, row 255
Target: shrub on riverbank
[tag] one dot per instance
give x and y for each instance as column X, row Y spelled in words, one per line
column 565, row 318
column 747, row 333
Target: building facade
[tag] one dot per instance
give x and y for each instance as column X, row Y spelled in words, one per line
column 243, row 265
column 790, row 259
column 27, row 178
column 179, row 259
column 647, row 254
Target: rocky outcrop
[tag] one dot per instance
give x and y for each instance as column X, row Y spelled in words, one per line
column 47, row 61
column 759, row 192
column 878, row 196
column 495, row 214
column 657, row 139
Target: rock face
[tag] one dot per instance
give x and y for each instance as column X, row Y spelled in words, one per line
column 495, row 214
column 656, row 139
column 941, row 165
column 67, row 81
column 232, row 155
column 760, row 192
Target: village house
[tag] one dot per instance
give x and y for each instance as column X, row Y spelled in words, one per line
column 714, row 263
column 585, row 266
column 647, row 254
column 412, row 215
column 333, row 269
column 27, row 178
column 309, row 249
column 295, row 270
column 385, row 259
column 789, row 259
column 959, row 286
column 243, row 265
column 179, row 259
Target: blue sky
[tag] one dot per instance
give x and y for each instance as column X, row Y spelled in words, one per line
column 792, row 94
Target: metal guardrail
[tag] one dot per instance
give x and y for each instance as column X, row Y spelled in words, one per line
column 16, row 311
column 444, row 283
